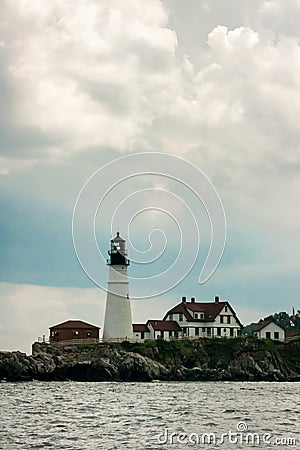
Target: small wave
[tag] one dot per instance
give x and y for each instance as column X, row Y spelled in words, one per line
column 133, row 414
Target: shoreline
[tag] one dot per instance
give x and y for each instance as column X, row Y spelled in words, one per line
column 237, row 359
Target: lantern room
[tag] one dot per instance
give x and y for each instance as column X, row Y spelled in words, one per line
column 118, row 252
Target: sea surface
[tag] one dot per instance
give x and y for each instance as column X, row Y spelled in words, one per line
column 157, row 415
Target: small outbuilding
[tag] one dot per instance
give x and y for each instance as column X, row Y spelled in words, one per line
column 270, row 330
column 163, row 329
column 141, row 331
column 74, row 330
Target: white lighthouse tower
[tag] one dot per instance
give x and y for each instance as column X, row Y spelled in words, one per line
column 118, row 321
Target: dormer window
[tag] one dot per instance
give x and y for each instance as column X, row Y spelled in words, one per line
column 170, row 316
column 199, row 315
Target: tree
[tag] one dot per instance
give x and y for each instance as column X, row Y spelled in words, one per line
column 281, row 318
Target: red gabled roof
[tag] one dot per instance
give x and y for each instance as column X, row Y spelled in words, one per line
column 262, row 325
column 265, row 323
column 138, row 327
column 180, row 308
column 74, row 324
column 164, row 325
column 210, row 310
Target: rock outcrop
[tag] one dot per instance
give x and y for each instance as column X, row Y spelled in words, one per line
column 240, row 359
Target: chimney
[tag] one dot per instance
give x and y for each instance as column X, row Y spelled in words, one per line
column 217, row 298
column 193, row 299
column 183, row 299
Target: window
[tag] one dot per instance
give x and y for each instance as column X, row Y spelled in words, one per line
column 162, row 334
column 88, row 333
column 228, row 319
column 197, row 331
column 208, row 330
column 142, row 334
column 231, row 332
column 170, row 334
column 76, row 333
column 184, row 330
column 195, row 316
column 201, row 315
column 221, row 319
column 268, row 334
column 170, row 316
column 180, row 317
column 225, row 308
column 276, row 334
column 218, row 331
column 203, row 330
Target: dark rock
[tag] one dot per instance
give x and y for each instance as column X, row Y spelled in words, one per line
column 16, row 366
column 134, row 367
column 240, row 359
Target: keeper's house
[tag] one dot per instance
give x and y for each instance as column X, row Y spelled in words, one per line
column 191, row 319
column 72, row 331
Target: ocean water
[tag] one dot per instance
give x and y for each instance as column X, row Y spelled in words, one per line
column 157, row 415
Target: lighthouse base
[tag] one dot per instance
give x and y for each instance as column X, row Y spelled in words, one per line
column 118, row 322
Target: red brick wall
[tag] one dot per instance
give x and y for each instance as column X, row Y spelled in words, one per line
column 65, row 334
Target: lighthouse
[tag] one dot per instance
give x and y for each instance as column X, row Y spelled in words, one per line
column 118, row 321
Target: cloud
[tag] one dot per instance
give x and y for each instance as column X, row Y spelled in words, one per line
column 110, row 75
column 7, row 165
column 280, row 16
column 84, row 74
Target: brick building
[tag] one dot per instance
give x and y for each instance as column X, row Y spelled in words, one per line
column 73, row 330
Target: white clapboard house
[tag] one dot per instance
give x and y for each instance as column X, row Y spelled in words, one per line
column 270, row 330
column 191, row 319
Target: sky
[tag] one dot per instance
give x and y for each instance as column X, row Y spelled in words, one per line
column 82, row 84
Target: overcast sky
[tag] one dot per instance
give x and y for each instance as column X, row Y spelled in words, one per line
column 82, row 83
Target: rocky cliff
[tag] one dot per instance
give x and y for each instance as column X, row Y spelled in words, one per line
column 239, row 359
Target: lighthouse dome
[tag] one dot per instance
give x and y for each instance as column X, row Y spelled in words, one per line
column 118, row 238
